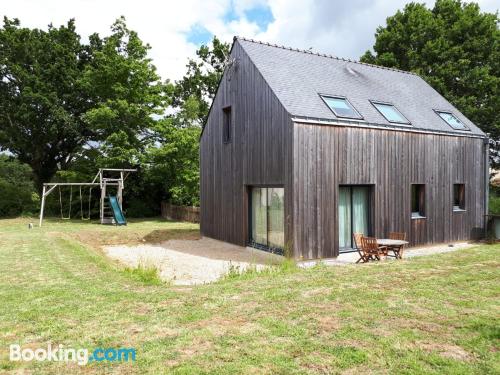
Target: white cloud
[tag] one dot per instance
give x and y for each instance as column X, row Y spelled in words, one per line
column 341, row 28
column 338, row 27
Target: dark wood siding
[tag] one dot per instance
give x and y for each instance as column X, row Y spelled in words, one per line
column 327, row 156
column 259, row 153
column 311, row 160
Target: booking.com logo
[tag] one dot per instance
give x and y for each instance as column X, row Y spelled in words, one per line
column 80, row 356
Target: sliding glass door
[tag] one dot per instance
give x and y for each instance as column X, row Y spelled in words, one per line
column 353, row 214
column 267, row 227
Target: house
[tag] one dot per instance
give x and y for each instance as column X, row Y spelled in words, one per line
column 300, row 150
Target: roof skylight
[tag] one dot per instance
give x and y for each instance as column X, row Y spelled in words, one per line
column 451, row 120
column 341, row 107
column 391, row 113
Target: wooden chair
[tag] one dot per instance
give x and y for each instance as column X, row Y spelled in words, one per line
column 357, row 245
column 397, row 250
column 371, row 250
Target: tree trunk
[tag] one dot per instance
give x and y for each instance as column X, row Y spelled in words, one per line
column 42, row 174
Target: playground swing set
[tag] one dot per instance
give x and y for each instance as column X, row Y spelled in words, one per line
column 110, row 206
column 68, row 217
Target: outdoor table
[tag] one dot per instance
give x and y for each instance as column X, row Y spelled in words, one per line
column 389, row 243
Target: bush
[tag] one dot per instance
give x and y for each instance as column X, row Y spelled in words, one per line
column 140, row 208
column 494, row 204
column 17, row 190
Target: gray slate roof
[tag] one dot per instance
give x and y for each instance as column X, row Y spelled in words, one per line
column 298, row 77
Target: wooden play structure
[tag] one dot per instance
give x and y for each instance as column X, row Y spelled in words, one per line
column 110, row 206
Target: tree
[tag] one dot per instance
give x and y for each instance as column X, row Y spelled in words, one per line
column 172, row 160
column 202, row 78
column 41, row 99
column 17, row 192
column 61, row 100
column 128, row 94
column 174, row 165
column 456, row 49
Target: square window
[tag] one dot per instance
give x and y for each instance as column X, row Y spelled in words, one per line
column 226, row 125
column 451, row 120
column 417, row 201
column 458, row 197
column 341, row 107
column 391, row 113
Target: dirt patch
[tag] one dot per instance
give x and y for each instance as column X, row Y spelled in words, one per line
column 328, row 323
column 97, row 240
column 143, row 309
column 381, row 331
column 364, row 370
column 316, row 292
column 315, row 365
column 158, row 236
column 425, row 326
column 198, row 346
column 446, row 350
column 219, row 326
column 134, row 330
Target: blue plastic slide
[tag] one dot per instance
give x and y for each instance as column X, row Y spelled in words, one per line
column 117, row 212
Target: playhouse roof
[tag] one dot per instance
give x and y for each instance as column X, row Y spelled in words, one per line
column 299, row 78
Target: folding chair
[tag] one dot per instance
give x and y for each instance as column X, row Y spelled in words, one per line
column 371, row 249
column 357, row 237
column 397, row 250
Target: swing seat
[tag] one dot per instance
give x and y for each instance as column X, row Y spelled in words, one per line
column 70, row 202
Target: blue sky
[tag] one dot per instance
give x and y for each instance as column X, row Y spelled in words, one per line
column 175, row 29
column 198, row 35
column 261, row 15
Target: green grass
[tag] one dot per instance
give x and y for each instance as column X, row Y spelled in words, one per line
column 146, row 274
column 432, row 315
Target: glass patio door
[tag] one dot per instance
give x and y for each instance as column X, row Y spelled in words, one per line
column 267, row 223
column 353, row 214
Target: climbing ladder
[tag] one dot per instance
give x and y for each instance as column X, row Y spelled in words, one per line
column 107, row 213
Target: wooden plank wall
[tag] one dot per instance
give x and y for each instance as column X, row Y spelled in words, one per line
column 260, row 152
column 326, row 156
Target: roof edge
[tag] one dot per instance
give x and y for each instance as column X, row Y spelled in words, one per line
column 216, row 92
column 321, row 55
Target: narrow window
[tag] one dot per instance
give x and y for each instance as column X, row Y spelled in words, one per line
column 226, row 125
column 341, row 107
column 452, row 120
column 458, row 197
column 417, row 201
column 391, row 113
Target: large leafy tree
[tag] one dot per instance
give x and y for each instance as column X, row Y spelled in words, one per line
column 61, row 100
column 41, row 98
column 128, row 96
column 453, row 46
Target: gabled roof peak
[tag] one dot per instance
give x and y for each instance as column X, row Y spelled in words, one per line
column 321, row 55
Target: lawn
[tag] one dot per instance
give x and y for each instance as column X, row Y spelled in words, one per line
column 435, row 314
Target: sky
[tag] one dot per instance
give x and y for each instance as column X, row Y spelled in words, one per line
column 175, row 29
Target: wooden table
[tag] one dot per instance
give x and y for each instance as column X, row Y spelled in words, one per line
column 394, row 245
